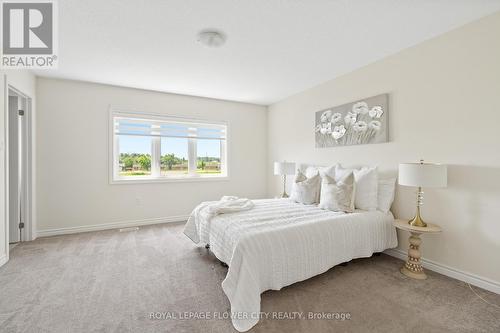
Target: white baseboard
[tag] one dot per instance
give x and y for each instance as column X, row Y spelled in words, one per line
column 473, row 279
column 3, row 259
column 107, row 226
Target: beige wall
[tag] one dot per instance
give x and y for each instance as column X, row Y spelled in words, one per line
column 444, row 107
column 73, row 184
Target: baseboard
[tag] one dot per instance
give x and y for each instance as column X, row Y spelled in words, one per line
column 107, row 226
column 473, row 279
column 3, row 259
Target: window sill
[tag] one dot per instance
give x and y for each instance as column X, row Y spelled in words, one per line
column 150, row 180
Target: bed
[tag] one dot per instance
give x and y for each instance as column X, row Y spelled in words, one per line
column 280, row 242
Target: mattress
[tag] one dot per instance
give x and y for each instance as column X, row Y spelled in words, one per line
column 280, row 242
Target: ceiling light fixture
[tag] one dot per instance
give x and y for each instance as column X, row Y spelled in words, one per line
column 211, row 38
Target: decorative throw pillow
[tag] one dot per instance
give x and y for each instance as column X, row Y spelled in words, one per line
column 305, row 190
column 386, row 189
column 338, row 195
column 312, row 171
column 366, row 180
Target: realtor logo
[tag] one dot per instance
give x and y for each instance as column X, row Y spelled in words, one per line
column 28, row 34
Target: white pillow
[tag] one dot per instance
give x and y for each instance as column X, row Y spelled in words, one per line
column 366, row 179
column 386, row 189
column 311, row 171
column 337, row 196
column 329, row 171
column 305, row 190
column 314, row 170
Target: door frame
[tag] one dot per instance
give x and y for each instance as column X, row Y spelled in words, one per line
column 28, row 172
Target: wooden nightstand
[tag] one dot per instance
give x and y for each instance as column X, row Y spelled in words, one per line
column 413, row 267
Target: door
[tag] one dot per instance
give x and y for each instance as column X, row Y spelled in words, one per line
column 17, row 167
column 14, row 166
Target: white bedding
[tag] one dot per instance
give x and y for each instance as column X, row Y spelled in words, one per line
column 279, row 242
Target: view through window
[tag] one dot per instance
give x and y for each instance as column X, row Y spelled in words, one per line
column 174, row 156
column 154, row 147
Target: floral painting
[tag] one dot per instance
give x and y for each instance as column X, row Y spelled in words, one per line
column 356, row 123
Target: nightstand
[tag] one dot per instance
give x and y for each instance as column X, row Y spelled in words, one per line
column 413, row 267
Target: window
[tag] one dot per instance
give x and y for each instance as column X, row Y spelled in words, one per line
column 153, row 147
column 135, row 156
column 174, row 156
column 208, row 157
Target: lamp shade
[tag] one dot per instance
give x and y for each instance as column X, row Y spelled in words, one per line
column 423, row 175
column 284, row 168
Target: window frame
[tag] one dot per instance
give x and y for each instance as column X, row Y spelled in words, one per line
column 113, row 150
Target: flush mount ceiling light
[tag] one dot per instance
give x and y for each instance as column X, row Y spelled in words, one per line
column 211, row 38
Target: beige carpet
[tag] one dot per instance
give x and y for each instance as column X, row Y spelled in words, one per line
column 111, row 282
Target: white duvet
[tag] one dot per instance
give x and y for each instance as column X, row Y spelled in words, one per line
column 279, row 242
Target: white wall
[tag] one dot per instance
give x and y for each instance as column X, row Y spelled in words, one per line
column 444, row 108
column 73, row 184
column 23, row 81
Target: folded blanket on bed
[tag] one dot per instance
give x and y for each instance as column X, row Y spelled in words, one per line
column 229, row 204
column 208, row 210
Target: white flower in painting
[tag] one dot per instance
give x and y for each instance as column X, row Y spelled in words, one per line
column 350, row 119
column 326, row 128
column 376, row 112
column 375, row 125
column 317, row 128
column 326, row 116
column 360, row 108
column 338, row 132
column 336, row 117
column 360, row 126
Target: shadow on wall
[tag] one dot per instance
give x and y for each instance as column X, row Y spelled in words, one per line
column 476, row 178
column 479, row 189
column 467, row 210
column 469, row 183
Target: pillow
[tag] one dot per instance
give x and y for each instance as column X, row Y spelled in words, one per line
column 366, row 179
column 313, row 170
column 329, row 171
column 305, row 190
column 386, row 189
column 338, row 195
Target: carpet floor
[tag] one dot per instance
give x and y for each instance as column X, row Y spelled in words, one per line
column 151, row 279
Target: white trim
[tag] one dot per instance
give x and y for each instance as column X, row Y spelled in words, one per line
column 5, row 176
column 3, row 260
column 192, row 157
column 473, row 279
column 151, row 180
column 112, row 225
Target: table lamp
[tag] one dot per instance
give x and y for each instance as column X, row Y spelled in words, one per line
column 284, row 169
column 422, row 175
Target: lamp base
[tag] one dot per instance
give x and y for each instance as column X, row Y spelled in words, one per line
column 417, row 221
column 284, row 195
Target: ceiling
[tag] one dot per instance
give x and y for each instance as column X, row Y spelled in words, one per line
column 274, row 48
